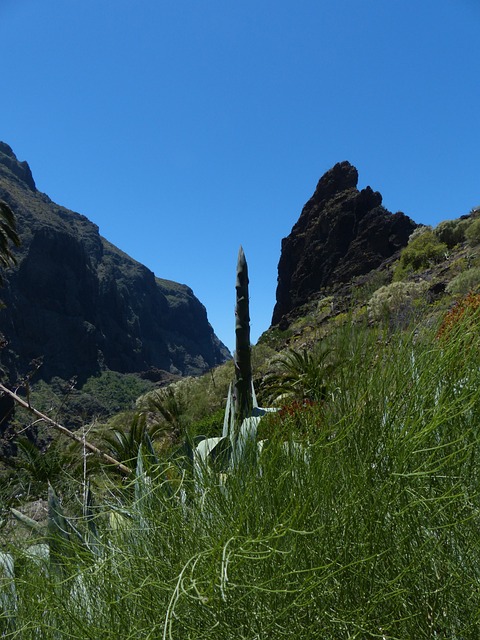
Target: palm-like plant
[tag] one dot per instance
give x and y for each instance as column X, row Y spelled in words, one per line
column 166, row 405
column 124, row 444
column 33, row 467
column 301, row 375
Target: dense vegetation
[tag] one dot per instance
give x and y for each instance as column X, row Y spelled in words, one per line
column 357, row 517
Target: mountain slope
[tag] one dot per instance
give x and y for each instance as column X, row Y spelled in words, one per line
column 83, row 305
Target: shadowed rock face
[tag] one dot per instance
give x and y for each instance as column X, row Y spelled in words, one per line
column 341, row 233
column 83, row 305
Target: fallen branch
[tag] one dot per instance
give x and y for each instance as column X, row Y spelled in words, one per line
column 91, row 447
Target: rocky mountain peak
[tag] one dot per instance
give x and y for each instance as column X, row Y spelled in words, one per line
column 339, row 178
column 21, row 170
column 341, row 233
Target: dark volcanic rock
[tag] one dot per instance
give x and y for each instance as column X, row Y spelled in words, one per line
column 341, row 233
column 83, row 305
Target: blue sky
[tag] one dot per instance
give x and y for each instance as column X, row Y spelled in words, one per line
column 186, row 128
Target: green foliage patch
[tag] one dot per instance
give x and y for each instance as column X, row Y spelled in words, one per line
column 451, row 232
column 396, row 302
column 464, row 282
column 363, row 524
column 423, row 250
column 472, row 233
column 116, row 391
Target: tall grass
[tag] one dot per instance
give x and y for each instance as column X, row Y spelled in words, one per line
column 370, row 531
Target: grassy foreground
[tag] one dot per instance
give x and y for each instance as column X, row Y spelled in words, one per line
column 369, row 529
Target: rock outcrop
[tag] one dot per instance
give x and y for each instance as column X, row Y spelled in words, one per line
column 83, row 305
column 341, row 233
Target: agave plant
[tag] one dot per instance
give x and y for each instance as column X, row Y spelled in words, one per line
column 242, row 413
column 64, row 548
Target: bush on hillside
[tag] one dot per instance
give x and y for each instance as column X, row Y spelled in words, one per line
column 465, row 282
column 472, row 234
column 396, row 301
column 302, row 421
column 210, row 426
column 418, row 231
column 451, row 232
column 422, row 251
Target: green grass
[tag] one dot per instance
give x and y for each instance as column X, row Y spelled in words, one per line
column 369, row 530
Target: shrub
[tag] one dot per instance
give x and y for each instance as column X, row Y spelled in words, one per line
column 465, row 282
column 422, row 251
column 472, row 234
column 396, row 301
column 210, row 426
column 451, row 232
column 61, row 398
column 420, row 230
column 124, row 443
column 100, row 397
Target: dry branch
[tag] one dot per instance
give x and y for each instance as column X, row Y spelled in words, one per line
column 91, row 447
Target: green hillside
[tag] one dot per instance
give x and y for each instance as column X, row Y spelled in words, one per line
column 356, row 517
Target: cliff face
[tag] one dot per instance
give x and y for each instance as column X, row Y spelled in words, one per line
column 83, row 305
column 341, row 233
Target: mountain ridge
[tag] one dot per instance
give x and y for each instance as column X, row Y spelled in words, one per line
column 83, row 305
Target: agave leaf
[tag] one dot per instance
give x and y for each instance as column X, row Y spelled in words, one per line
column 228, row 419
column 254, row 398
column 28, row 522
column 57, row 523
column 219, row 455
column 246, row 436
column 140, row 468
column 258, row 412
column 142, row 481
column 143, row 486
column 202, row 455
column 39, row 553
column 205, row 447
column 149, row 448
column 6, row 564
column 8, row 594
column 188, row 448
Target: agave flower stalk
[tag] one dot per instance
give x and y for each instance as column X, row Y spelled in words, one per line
column 243, row 366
